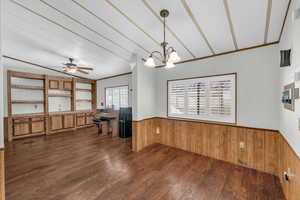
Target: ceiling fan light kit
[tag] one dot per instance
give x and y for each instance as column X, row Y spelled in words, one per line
column 73, row 68
column 169, row 56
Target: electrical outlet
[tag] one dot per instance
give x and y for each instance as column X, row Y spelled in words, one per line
column 288, row 175
column 242, row 145
column 157, row 131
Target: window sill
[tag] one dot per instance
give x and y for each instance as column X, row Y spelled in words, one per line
column 202, row 121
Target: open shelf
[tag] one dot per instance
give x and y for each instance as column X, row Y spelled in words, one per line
column 27, row 87
column 60, row 95
column 83, row 90
column 26, row 102
column 82, row 100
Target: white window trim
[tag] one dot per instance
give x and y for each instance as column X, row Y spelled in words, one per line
column 229, row 120
column 119, row 86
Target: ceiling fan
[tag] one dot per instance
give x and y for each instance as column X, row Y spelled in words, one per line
column 71, row 67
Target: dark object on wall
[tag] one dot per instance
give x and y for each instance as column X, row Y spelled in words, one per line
column 125, row 122
column 285, row 58
column 287, row 96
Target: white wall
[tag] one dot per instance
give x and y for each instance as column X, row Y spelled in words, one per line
column 291, row 39
column 144, row 91
column 113, row 82
column 1, row 80
column 257, row 83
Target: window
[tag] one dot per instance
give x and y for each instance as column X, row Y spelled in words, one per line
column 207, row 98
column 116, row 97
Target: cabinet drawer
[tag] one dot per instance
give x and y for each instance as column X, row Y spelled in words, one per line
column 38, row 127
column 36, row 119
column 21, row 120
column 21, row 129
column 80, row 115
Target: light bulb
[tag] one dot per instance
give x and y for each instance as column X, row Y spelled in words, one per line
column 150, row 62
column 72, row 70
column 174, row 57
column 170, row 65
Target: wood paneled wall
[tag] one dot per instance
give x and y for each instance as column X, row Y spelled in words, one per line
column 2, row 178
column 217, row 141
column 289, row 159
column 265, row 150
column 143, row 133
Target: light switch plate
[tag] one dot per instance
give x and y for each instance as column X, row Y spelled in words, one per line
column 242, row 145
column 157, row 131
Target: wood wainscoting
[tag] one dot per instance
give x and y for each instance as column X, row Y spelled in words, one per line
column 289, row 159
column 2, row 178
column 264, row 150
column 143, row 133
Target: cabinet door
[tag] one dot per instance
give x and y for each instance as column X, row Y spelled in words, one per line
column 56, row 122
column 69, row 121
column 80, row 119
column 21, row 129
column 53, row 84
column 89, row 118
column 67, row 85
column 38, row 126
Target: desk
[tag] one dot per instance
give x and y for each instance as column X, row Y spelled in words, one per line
column 113, row 122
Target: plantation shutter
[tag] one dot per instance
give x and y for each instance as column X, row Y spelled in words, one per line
column 208, row 98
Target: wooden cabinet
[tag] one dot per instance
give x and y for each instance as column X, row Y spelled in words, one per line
column 27, row 126
column 84, row 118
column 49, row 119
column 80, row 119
column 21, row 129
column 60, row 84
column 89, row 118
column 67, row 85
column 38, row 127
column 69, row 121
column 54, row 84
column 56, row 122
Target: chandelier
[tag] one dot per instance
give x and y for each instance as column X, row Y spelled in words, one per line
column 169, row 55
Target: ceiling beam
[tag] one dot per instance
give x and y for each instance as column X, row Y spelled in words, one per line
column 114, row 76
column 284, row 21
column 85, row 26
column 69, row 30
column 268, row 19
column 110, row 25
column 168, row 28
column 44, row 67
column 131, row 21
column 224, row 53
column 228, row 15
column 190, row 13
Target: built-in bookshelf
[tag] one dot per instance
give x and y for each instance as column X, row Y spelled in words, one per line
column 42, row 104
column 83, row 96
column 26, row 94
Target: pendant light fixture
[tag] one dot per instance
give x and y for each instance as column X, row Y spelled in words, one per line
column 169, row 55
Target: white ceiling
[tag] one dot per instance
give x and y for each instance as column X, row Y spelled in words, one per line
column 106, row 33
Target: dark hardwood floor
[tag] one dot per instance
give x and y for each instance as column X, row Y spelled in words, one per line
column 84, row 166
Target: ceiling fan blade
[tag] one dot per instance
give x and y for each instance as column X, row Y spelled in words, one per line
column 85, row 68
column 81, row 71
